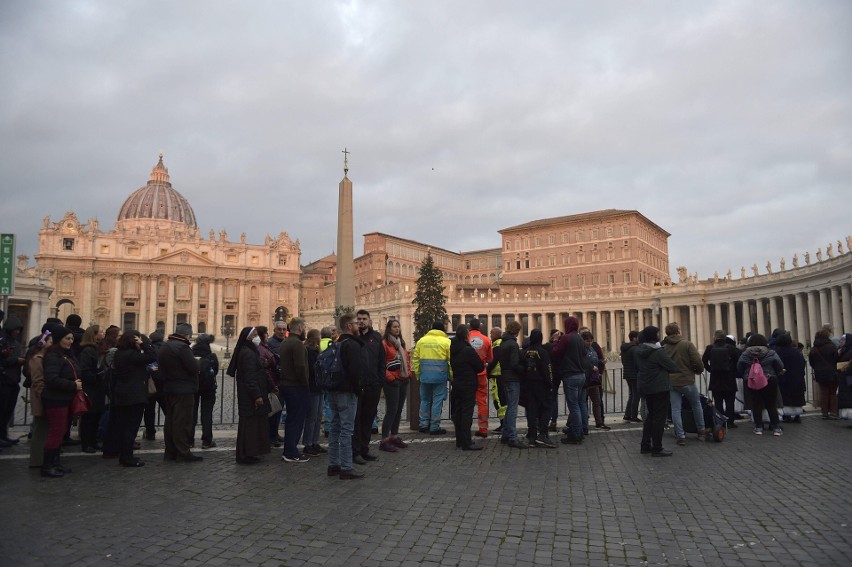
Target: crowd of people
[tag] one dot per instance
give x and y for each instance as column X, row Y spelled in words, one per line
column 339, row 374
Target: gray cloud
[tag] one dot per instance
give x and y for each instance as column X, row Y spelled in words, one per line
column 727, row 123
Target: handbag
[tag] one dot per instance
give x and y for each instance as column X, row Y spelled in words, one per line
column 152, row 387
column 80, row 404
column 274, row 403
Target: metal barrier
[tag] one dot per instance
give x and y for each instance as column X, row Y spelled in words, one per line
column 614, row 396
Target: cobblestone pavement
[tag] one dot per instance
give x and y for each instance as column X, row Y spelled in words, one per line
column 746, row 501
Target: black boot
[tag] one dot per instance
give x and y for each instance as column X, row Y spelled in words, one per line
column 58, row 464
column 48, row 468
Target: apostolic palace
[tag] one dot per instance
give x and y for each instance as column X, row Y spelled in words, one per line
column 154, row 268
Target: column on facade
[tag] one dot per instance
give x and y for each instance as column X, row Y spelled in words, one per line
column 87, row 305
column 824, row 313
column 732, row 320
column 835, row 311
column 193, row 305
column 212, row 326
column 152, row 310
column 812, row 316
column 669, row 317
column 614, row 340
column 170, row 306
column 801, row 322
column 116, row 302
column 760, row 309
column 847, row 308
column 142, row 323
column 689, row 330
column 773, row 313
column 242, row 312
column 786, row 305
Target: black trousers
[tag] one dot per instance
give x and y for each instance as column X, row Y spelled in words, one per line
column 724, row 402
column 464, row 400
column 652, row 428
column 631, row 410
column 89, row 428
column 368, row 407
column 8, row 400
column 151, row 414
column 538, row 408
column 127, row 420
column 206, row 401
column 765, row 399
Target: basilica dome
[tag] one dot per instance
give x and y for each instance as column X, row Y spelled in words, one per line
column 157, row 201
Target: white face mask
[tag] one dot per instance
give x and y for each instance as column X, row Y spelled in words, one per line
column 256, row 341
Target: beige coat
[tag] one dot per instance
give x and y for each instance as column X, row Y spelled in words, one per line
column 36, row 367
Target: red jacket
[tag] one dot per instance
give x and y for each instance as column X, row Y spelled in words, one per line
column 390, row 355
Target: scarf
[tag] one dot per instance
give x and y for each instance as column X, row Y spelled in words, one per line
column 401, row 355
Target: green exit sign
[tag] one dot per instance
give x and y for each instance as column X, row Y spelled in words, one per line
column 7, row 264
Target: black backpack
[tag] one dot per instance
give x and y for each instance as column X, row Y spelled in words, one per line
column 531, row 362
column 206, row 374
column 329, row 372
column 720, row 359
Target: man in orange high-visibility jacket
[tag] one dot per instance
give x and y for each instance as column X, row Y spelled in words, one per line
column 482, row 345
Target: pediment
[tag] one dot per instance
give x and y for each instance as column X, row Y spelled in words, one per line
column 184, row 258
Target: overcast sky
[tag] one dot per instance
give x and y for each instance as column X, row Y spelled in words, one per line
column 729, row 124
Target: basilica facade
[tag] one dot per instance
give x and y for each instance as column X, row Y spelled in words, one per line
column 154, row 268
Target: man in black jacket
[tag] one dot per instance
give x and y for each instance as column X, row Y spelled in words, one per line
column 343, row 401
column 568, row 354
column 511, row 370
column 371, row 388
column 628, row 364
column 179, row 370
column 11, row 361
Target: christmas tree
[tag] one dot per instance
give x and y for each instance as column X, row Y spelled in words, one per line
column 429, row 298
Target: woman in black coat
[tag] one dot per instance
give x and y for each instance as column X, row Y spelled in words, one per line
column 823, row 359
column 844, row 376
column 792, row 381
column 61, row 382
column 92, row 374
column 129, row 394
column 252, row 400
column 466, row 364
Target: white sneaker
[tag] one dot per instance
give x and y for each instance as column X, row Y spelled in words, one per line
column 778, row 432
column 296, row 459
column 758, row 431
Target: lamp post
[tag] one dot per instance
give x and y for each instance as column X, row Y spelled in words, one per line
column 228, row 331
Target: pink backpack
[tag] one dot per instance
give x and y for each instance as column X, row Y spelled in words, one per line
column 756, row 378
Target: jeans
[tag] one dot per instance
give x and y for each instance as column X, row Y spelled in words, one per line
column 513, row 395
column 343, row 407
column 578, row 408
column 432, row 398
column 297, row 407
column 311, row 433
column 691, row 393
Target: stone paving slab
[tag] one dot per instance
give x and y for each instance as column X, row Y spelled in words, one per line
column 747, row 501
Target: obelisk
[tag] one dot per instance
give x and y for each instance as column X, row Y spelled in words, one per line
column 344, row 293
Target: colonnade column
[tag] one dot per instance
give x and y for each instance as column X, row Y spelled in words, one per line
column 760, row 310
column 717, row 310
column 599, row 334
column 847, row 307
column 835, row 312
column 773, row 313
column 788, row 315
column 801, row 320
column 823, row 307
column 732, row 319
column 812, row 316
column 212, row 327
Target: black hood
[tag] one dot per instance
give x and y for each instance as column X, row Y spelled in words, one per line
column 13, row 324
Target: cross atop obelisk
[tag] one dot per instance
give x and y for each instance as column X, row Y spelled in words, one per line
column 345, row 161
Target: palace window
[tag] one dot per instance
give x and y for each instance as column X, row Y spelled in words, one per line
column 104, row 248
column 625, row 230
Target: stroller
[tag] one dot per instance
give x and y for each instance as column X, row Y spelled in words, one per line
column 713, row 420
